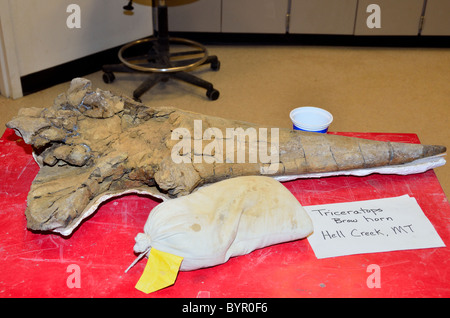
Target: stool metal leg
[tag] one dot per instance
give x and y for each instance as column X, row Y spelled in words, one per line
column 211, row 93
column 151, row 81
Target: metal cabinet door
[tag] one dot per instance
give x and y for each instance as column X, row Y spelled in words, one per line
column 194, row 15
column 397, row 17
column 254, row 16
column 437, row 18
column 322, row 16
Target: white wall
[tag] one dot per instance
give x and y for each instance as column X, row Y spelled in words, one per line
column 9, row 67
column 43, row 40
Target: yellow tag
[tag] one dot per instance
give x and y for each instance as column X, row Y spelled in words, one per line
column 161, row 271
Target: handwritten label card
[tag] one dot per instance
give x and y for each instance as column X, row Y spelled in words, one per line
column 382, row 225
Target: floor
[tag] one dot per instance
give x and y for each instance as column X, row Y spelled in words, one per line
column 395, row 90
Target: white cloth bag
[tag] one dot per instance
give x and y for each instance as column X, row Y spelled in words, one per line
column 225, row 219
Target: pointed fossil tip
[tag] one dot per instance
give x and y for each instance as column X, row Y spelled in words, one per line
column 433, row 150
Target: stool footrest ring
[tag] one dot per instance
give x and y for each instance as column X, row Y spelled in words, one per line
column 191, row 63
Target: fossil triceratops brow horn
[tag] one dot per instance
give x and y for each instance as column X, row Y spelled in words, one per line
column 92, row 145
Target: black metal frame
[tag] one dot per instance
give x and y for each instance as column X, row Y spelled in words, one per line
column 159, row 63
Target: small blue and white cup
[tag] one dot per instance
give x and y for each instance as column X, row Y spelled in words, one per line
column 311, row 119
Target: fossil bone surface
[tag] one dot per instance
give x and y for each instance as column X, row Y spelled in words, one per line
column 92, row 145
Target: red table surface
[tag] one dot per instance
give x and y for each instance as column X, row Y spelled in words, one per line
column 39, row 265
